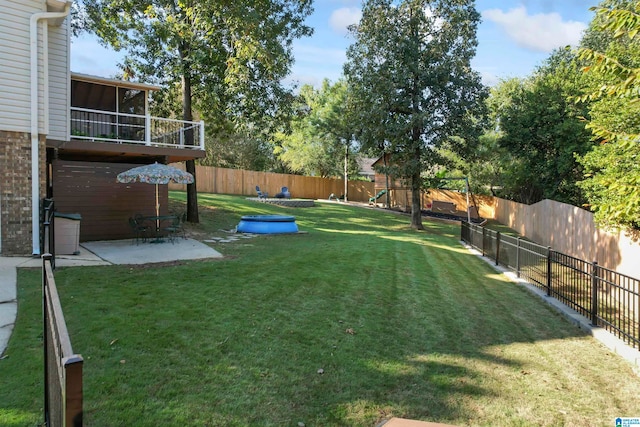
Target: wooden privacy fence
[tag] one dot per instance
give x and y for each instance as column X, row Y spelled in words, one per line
column 211, row 179
column 62, row 367
column 401, row 198
column 571, row 230
column 567, row 228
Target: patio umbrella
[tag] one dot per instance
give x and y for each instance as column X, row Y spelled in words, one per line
column 156, row 173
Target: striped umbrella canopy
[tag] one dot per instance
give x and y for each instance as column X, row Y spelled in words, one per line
column 156, row 173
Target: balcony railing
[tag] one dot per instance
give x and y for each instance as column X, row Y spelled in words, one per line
column 119, row 128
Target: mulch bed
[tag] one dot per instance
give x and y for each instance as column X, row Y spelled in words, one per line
column 452, row 217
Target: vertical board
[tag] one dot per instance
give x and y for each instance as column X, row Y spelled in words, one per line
column 211, row 179
column 566, row 228
column 91, row 189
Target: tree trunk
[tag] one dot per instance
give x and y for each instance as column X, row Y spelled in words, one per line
column 346, row 170
column 416, row 202
column 386, row 179
column 190, row 165
column 416, row 187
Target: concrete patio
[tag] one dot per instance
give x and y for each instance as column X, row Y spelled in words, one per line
column 91, row 254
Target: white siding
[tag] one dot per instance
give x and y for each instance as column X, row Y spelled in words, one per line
column 15, row 80
column 59, row 82
column 14, row 63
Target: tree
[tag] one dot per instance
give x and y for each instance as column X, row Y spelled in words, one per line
column 611, row 51
column 542, row 130
column 412, row 84
column 488, row 164
column 232, row 55
column 320, row 134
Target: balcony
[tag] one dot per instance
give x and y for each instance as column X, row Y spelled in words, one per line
column 110, row 121
column 144, row 130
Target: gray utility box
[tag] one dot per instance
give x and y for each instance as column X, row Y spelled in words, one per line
column 67, row 229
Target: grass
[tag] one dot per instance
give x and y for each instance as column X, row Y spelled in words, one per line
column 358, row 320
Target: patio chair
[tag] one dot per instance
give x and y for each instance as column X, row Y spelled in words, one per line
column 284, row 193
column 261, row 194
column 175, row 228
column 139, row 230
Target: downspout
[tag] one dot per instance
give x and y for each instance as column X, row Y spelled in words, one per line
column 35, row 157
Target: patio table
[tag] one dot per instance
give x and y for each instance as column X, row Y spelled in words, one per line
column 157, row 220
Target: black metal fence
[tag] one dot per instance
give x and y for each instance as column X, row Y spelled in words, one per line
column 609, row 299
column 48, row 238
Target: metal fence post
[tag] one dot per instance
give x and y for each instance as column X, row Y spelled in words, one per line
column 518, row 257
column 548, row 271
column 594, row 293
column 497, row 247
column 484, row 232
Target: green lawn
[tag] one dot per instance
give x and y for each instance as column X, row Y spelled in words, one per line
column 357, row 320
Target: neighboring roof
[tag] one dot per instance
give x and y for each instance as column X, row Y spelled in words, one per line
column 113, row 82
column 366, row 166
column 377, row 161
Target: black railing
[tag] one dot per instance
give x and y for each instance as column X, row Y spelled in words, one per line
column 48, row 237
column 609, row 299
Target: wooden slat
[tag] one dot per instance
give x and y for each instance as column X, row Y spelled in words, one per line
column 241, row 182
column 91, row 189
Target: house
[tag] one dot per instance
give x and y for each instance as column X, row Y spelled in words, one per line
column 381, row 180
column 365, row 165
column 67, row 136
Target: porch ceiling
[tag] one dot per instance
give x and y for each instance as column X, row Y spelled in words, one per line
column 118, row 153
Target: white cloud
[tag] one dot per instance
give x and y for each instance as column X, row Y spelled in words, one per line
column 313, row 61
column 489, row 79
column 341, row 18
column 89, row 57
column 541, row 32
column 305, row 53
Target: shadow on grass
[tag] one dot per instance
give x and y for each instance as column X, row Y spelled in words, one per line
column 360, row 320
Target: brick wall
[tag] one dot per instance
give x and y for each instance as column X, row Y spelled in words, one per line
column 15, row 191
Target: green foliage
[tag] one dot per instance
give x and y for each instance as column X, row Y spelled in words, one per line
column 613, row 179
column 412, row 84
column 231, row 56
column 241, row 149
column 541, row 131
column 613, row 66
column 320, row 132
column 611, row 52
column 486, row 165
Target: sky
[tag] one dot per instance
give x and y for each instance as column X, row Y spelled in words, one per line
column 514, row 37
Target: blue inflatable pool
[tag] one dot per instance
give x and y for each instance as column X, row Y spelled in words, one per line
column 267, row 224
